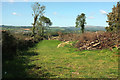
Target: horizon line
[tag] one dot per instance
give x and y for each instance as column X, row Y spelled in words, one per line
column 49, row 26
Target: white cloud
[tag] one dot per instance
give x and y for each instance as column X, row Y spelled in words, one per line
column 91, row 17
column 103, row 12
column 14, row 13
column 54, row 13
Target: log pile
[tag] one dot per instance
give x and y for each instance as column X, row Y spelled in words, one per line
column 104, row 40
column 63, row 44
column 54, row 38
column 93, row 40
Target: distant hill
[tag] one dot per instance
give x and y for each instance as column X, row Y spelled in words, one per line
column 95, row 28
column 87, row 28
column 63, row 29
column 10, row 26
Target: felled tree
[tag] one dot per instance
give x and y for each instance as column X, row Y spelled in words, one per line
column 114, row 18
column 80, row 21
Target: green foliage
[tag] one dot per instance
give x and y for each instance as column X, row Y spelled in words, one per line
column 80, row 21
column 38, row 11
column 42, row 25
column 13, row 43
column 9, row 45
column 40, row 21
column 114, row 19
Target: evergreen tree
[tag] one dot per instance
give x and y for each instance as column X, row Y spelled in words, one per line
column 114, row 18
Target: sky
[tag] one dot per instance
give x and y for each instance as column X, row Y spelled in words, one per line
column 62, row 14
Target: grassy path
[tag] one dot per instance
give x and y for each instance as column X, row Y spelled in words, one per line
column 46, row 60
column 66, row 62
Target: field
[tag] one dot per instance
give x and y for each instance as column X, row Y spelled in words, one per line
column 45, row 60
column 54, row 29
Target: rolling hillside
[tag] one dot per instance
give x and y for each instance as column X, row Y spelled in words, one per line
column 56, row 29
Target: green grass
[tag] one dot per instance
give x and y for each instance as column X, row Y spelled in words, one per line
column 46, row 60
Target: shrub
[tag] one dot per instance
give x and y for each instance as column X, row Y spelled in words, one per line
column 12, row 43
column 68, row 37
column 9, row 45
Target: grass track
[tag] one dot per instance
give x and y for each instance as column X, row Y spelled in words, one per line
column 46, row 60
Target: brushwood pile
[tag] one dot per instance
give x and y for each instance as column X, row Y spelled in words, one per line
column 93, row 40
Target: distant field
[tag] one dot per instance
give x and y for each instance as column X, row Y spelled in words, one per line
column 55, row 29
column 48, row 61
